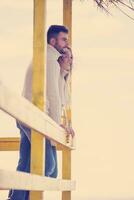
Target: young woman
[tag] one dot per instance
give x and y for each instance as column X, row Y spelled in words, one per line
column 66, row 64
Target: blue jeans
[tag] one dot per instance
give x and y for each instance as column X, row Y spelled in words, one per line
column 24, row 162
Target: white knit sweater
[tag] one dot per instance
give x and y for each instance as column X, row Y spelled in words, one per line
column 56, row 90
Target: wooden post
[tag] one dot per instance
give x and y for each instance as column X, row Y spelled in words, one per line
column 66, row 154
column 67, row 17
column 37, row 145
column 67, row 21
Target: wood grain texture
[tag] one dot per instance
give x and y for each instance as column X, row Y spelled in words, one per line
column 13, row 144
column 26, row 181
column 66, row 153
column 30, row 115
column 37, row 161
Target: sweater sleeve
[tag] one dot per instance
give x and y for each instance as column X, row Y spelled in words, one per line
column 27, row 87
column 52, row 85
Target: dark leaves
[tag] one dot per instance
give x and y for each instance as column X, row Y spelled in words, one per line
column 119, row 4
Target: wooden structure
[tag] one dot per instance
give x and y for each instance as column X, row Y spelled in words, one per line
column 32, row 115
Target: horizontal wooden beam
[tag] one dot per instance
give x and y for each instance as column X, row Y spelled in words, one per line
column 25, row 181
column 9, row 144
column 13, row 144
column 31, row 116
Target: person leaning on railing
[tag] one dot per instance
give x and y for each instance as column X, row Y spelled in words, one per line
column 57, row 70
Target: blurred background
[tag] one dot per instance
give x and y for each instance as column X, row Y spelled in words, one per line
column 102, row 93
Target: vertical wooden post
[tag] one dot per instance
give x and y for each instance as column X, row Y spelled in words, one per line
column 67, row 21
column 67, row 17
column 38, row 87
column 66, row 153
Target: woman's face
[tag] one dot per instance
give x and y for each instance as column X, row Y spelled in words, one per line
column 65, row 60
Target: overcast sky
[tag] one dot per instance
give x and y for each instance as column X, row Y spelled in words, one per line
column 102, row 98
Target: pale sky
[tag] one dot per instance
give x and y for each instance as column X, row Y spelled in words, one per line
column 102, row 98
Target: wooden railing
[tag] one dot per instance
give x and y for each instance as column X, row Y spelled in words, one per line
column 32, row 117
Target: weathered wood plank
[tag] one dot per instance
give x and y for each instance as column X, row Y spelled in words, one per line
column 13, row 144
column 66, row 154
column 38, row 86
column 31, row 116
column 26, row 181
